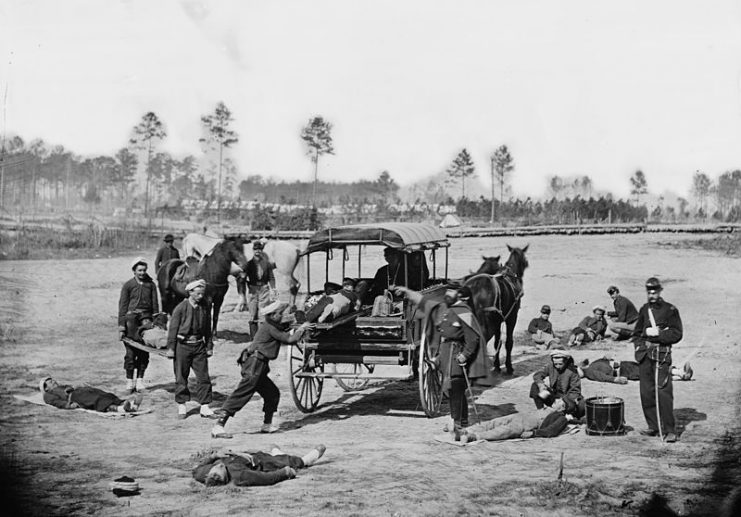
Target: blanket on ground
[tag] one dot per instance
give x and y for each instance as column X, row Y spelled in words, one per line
column 38, row 398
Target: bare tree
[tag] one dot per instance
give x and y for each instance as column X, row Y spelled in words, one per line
column 501, row 165
column 145, row 135
column 317, row 135
column 461, row 168
column 219, row 136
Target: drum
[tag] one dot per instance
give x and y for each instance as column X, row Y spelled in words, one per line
column 605, row 416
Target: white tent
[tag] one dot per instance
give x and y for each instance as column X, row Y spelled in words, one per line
column 450, row 221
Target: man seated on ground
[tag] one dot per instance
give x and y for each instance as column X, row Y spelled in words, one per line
column 623, row 319
column 252, row 469
column 332, row 306
column 541, row 330
column 595, row 325
column 605, row 369
column 563, row 381
column 545, row 422
column 85, row 397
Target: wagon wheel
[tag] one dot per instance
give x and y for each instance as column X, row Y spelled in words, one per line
column 304, row 390
column 354, row 368
column 430, row 380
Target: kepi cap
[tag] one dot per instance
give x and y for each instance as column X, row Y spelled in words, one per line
column 168, row 238
column 612, row 290
column 545, row 309
column 258, row 245
column 653, row 284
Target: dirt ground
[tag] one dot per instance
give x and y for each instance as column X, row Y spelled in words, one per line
column 59, row 318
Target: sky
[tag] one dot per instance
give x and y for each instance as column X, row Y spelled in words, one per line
column 571, row 87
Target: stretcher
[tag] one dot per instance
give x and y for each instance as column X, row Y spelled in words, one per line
column 143, row 347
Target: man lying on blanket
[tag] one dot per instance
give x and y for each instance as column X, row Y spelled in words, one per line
column 85, row 397
column 546, row 422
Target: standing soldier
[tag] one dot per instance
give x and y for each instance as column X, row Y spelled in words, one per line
column 189, row 343
column 165, row 253
column 254, row 361
column 658, row 327
column 137, row 303
column 260, row 282
column 462, row 350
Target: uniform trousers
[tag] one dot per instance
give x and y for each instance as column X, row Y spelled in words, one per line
column 193, row 356
column 458, row 401
column 254, row 379
column 259, row 297
column 666, row 392
column 135, row 359
column 94, row 398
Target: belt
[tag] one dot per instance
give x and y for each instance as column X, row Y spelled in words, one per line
column 192, row 340
column 450, row 340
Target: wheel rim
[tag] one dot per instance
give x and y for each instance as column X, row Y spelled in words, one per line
column 305, row 391
column 430, row 381
column 349, row 384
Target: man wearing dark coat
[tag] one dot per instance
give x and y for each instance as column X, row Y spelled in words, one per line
column 190, row 344
column 64, row 396
column 166, row 252
column 137, row 304
column 622, row 320
column 658, row 328
column 563, row 381
column 253, row 468
column 459, row 342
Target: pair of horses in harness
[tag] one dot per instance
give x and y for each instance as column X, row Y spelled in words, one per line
column 496, row 294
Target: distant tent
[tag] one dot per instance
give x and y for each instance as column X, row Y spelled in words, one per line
column 450, row 221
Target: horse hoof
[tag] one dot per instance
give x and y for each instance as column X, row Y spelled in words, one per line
column 496, row 369
column 510, row 372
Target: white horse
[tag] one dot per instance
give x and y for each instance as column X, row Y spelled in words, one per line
column 285, row 256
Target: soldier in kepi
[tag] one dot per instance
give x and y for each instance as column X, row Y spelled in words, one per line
column 658, row 327
column 462, row 351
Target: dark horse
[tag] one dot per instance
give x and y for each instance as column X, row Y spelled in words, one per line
column 496, row 299
column 214, row 268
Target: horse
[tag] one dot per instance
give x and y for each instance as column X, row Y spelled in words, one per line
column 214, row 268
column 283, row 254
column 496, row 300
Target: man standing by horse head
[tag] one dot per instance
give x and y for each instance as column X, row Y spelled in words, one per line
column 166, row 252
column 260, row 282
column 137, row 303
column 461, row 354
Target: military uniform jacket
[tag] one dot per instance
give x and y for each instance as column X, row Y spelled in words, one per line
column 188, row 321
column 137, row 297
column 164, row 254
column 260, row 272
column 456, row 327
column 537, row 324
column 624, row 311
column 668, row 322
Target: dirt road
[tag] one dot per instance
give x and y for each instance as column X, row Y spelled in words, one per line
column 58, row 318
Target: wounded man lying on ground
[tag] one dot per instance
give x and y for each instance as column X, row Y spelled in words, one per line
column 85, row 397
column 254, row 468
column 605, row 369
column 546, row 422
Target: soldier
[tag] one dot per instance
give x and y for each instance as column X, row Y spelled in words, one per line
column 190, row 344
column 260, row 282
column 166, row 252
column 137, row 303
column 541, row 330
column 622, row 321
column 462, row 351
column 253, row 361
column 658, row 328
column 563, row 381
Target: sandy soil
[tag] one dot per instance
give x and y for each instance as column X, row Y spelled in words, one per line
column 58, row 318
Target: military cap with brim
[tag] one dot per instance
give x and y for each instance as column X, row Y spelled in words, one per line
column 653, row 284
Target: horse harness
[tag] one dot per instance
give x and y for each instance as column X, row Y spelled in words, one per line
column 517, row 291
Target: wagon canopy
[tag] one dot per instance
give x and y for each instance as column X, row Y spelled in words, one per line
column 401, row 236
